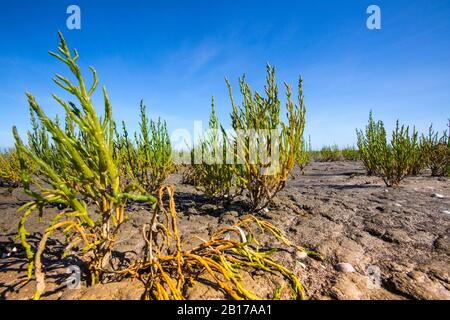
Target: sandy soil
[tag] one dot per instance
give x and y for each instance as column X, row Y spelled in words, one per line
column 396, row 240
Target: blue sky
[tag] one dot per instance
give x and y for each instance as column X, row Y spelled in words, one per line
column 175, row 55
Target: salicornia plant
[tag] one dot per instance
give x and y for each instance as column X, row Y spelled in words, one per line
column 367, row 144
column 329, row 154
column 168, row 270
column 146, row 158
column 392, row 160
column 419, row 154
column 350, row 153
column 304, row 155
column 85, row 181
column 437, row 151
column 84, row 173
column 396, row 157
column 9, row 167
column 213, row 175
column 266, row 147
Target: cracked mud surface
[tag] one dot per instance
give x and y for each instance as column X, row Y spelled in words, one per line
column 401, row 235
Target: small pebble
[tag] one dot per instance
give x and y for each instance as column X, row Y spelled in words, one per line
column 438, row 195
column 266, row 210
column 398, row 205
column 344, row 267
column 446, row 211
column 302, row 265
column 302, row 255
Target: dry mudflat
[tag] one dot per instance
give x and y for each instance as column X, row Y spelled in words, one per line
column 378, row 242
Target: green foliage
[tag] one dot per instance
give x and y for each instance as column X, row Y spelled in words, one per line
column 329, row 154
column 257, row 122
column 334, row 153
column 85, row 171
column 258, row 157
column 304, row 155
column 393, row 160
column 42, row 144
column 85, row 180
column 396, row 159
column 368, row 144
column 419, row 155
column 146, row 159
column 39, row 140
column 350, row 153
column 9, row 167
column 437, row 150
column 214, row 175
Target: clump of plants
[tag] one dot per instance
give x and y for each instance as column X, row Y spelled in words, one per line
column 419, row 156
column 304, row 155
column 266, row 147
column 9, row 168
column 168, row 270
column 437, row 152
column 350, row 153
column 333, row 153
column 85, row 182
column 257, row 158
column 189, row 175
column 145, row 158
column 328, row 154
column 210, row 170
column 84, row 172
column 397, row 157
column 368, row 143
column 391, row 160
